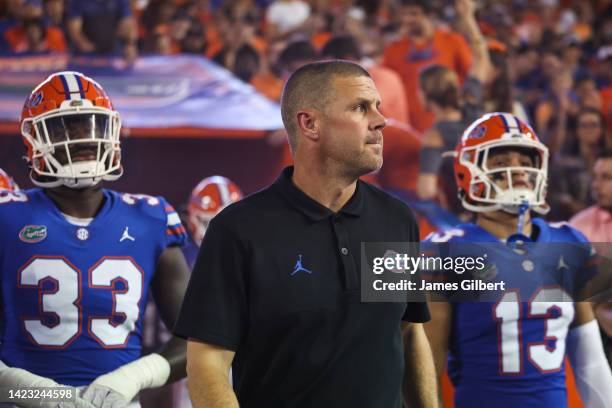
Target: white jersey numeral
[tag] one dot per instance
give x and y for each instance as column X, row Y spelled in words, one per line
column 544, row 358
column 126, row 301
column 542, row 355
column 507, row 312
column 12, row 197
column 59, row 284
column 59, row 303
column 447, row 235
column 131, row 199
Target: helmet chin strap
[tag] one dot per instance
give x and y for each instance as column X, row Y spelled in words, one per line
column 519, row 238
column 81, row 182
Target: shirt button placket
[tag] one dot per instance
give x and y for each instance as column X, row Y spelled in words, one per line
column 348, row 264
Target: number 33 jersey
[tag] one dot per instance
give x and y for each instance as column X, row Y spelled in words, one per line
column 73, row 297
column 510, row 353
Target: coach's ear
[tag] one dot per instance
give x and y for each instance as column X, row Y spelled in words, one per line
column 308, row 124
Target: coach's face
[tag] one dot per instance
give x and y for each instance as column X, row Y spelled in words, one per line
column 351, row 126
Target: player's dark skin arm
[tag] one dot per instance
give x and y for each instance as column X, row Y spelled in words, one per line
column 168, row 286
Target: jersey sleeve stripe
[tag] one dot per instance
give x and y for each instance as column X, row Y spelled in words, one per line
column 173, row 219
column 176, row 230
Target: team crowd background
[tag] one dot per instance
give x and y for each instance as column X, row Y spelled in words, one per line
column 551, row 65
column 552, row 59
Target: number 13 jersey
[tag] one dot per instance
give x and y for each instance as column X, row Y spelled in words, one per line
column 73, row 297
column 510, row 353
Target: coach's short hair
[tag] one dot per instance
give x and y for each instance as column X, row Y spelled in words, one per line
column 310, row 86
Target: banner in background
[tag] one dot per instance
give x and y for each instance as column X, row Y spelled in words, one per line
column 157, row 92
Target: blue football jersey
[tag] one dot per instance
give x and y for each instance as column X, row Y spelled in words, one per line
column 73, row 297
column 510, row 352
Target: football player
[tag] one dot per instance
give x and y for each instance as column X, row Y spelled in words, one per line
column 510, row 353
column 7, row 182
column 77, row 260
column 207, row 199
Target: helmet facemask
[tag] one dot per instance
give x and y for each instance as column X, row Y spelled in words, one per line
column 76, row 145
column 505, row 188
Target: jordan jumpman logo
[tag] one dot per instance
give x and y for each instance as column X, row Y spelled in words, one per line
column 299, row 267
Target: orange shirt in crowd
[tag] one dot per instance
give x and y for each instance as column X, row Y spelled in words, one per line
column 319, row 39
column 408, row 59
column 392, row 93
column 53, row 41
column 269, row 85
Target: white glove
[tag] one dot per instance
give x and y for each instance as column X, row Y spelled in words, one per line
column 101, row 396
column 117, row 388
column 12, row 377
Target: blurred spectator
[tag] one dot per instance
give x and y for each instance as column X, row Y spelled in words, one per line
column 32, row 9
column 54, row 12
column 388, row 82
column 157, row 12
column 102, row 27
column 33, row 37
column 11, row 13
column 453, row 109
column 247, row 63
column 194, row 41
column 295, row 55
column 571, row 56
column 240, row 47
column 603, row 32
column 499, row 95
column 423, row 44
column 587, row 94
column 160, row 42
column 604, row 79
column 596, row 223
column 556, row 110
column 285, row 17
column 604, row 66
column 524, row 73
column 569, row 189
column 268, row 79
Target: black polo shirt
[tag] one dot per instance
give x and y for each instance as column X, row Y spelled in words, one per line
column 277, row 280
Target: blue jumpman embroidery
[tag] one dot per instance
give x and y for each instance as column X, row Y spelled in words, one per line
column 299, row 267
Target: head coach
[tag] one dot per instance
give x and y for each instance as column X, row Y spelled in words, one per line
column 275, row 292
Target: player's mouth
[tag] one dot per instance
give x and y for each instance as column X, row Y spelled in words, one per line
column 521, row 184
column 83, row 155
